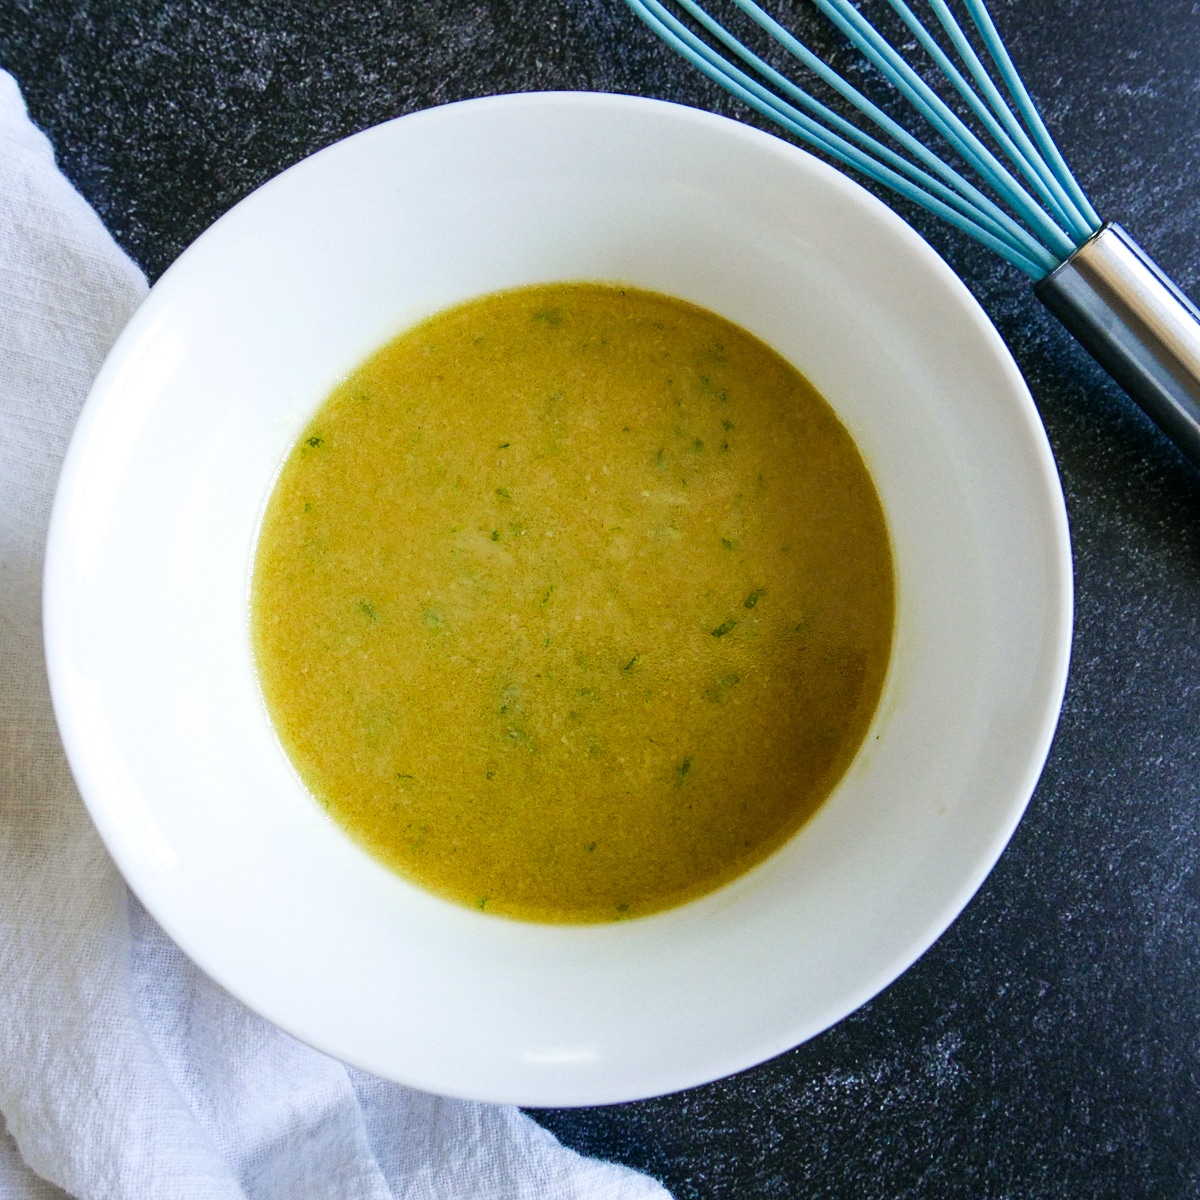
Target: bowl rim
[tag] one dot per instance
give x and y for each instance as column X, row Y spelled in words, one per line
column 1057, row 651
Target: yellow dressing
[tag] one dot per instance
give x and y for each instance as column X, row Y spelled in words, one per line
column 573, row 603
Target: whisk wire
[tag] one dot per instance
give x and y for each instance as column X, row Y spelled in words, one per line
column 969, row 200
column 1017, row 248
column 946, row 122
column 1048, row 220
column 1029, row 160
column 994, row 113
column 1028, row 110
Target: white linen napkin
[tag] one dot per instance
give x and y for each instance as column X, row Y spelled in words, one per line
column 125, row 1073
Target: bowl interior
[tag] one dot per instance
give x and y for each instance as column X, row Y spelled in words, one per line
column 176, row 453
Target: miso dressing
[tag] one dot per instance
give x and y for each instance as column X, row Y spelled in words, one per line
column 573, row 603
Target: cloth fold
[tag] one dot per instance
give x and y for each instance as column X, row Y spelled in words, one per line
column 125, row 1073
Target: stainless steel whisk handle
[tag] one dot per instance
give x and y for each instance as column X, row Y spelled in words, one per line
column 1137, row 325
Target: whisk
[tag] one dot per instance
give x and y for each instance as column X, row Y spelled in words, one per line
column 1093, row 276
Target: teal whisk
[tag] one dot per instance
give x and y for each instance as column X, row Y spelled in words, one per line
column 1016, row 196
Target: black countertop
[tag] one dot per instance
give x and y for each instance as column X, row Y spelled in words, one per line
column 1049, row 1043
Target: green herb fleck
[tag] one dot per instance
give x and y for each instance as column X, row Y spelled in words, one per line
column 697, row 445
column 549, row 316
column 683, row 768
column 504, row 493
column 482, row 903
column 727, row 425
column 631, row 663
column 367, row 611
column 754, row 597
column 314, row 441
column 725, row 626
column 495, row 535
column 404, row 777
column 505, row 445
column 727, row 543
column 716, row 693
column 591, row 847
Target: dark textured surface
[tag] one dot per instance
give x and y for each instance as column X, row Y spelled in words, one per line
column 1049, row 1044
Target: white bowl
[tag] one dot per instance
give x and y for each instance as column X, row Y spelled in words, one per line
column 177, row 449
